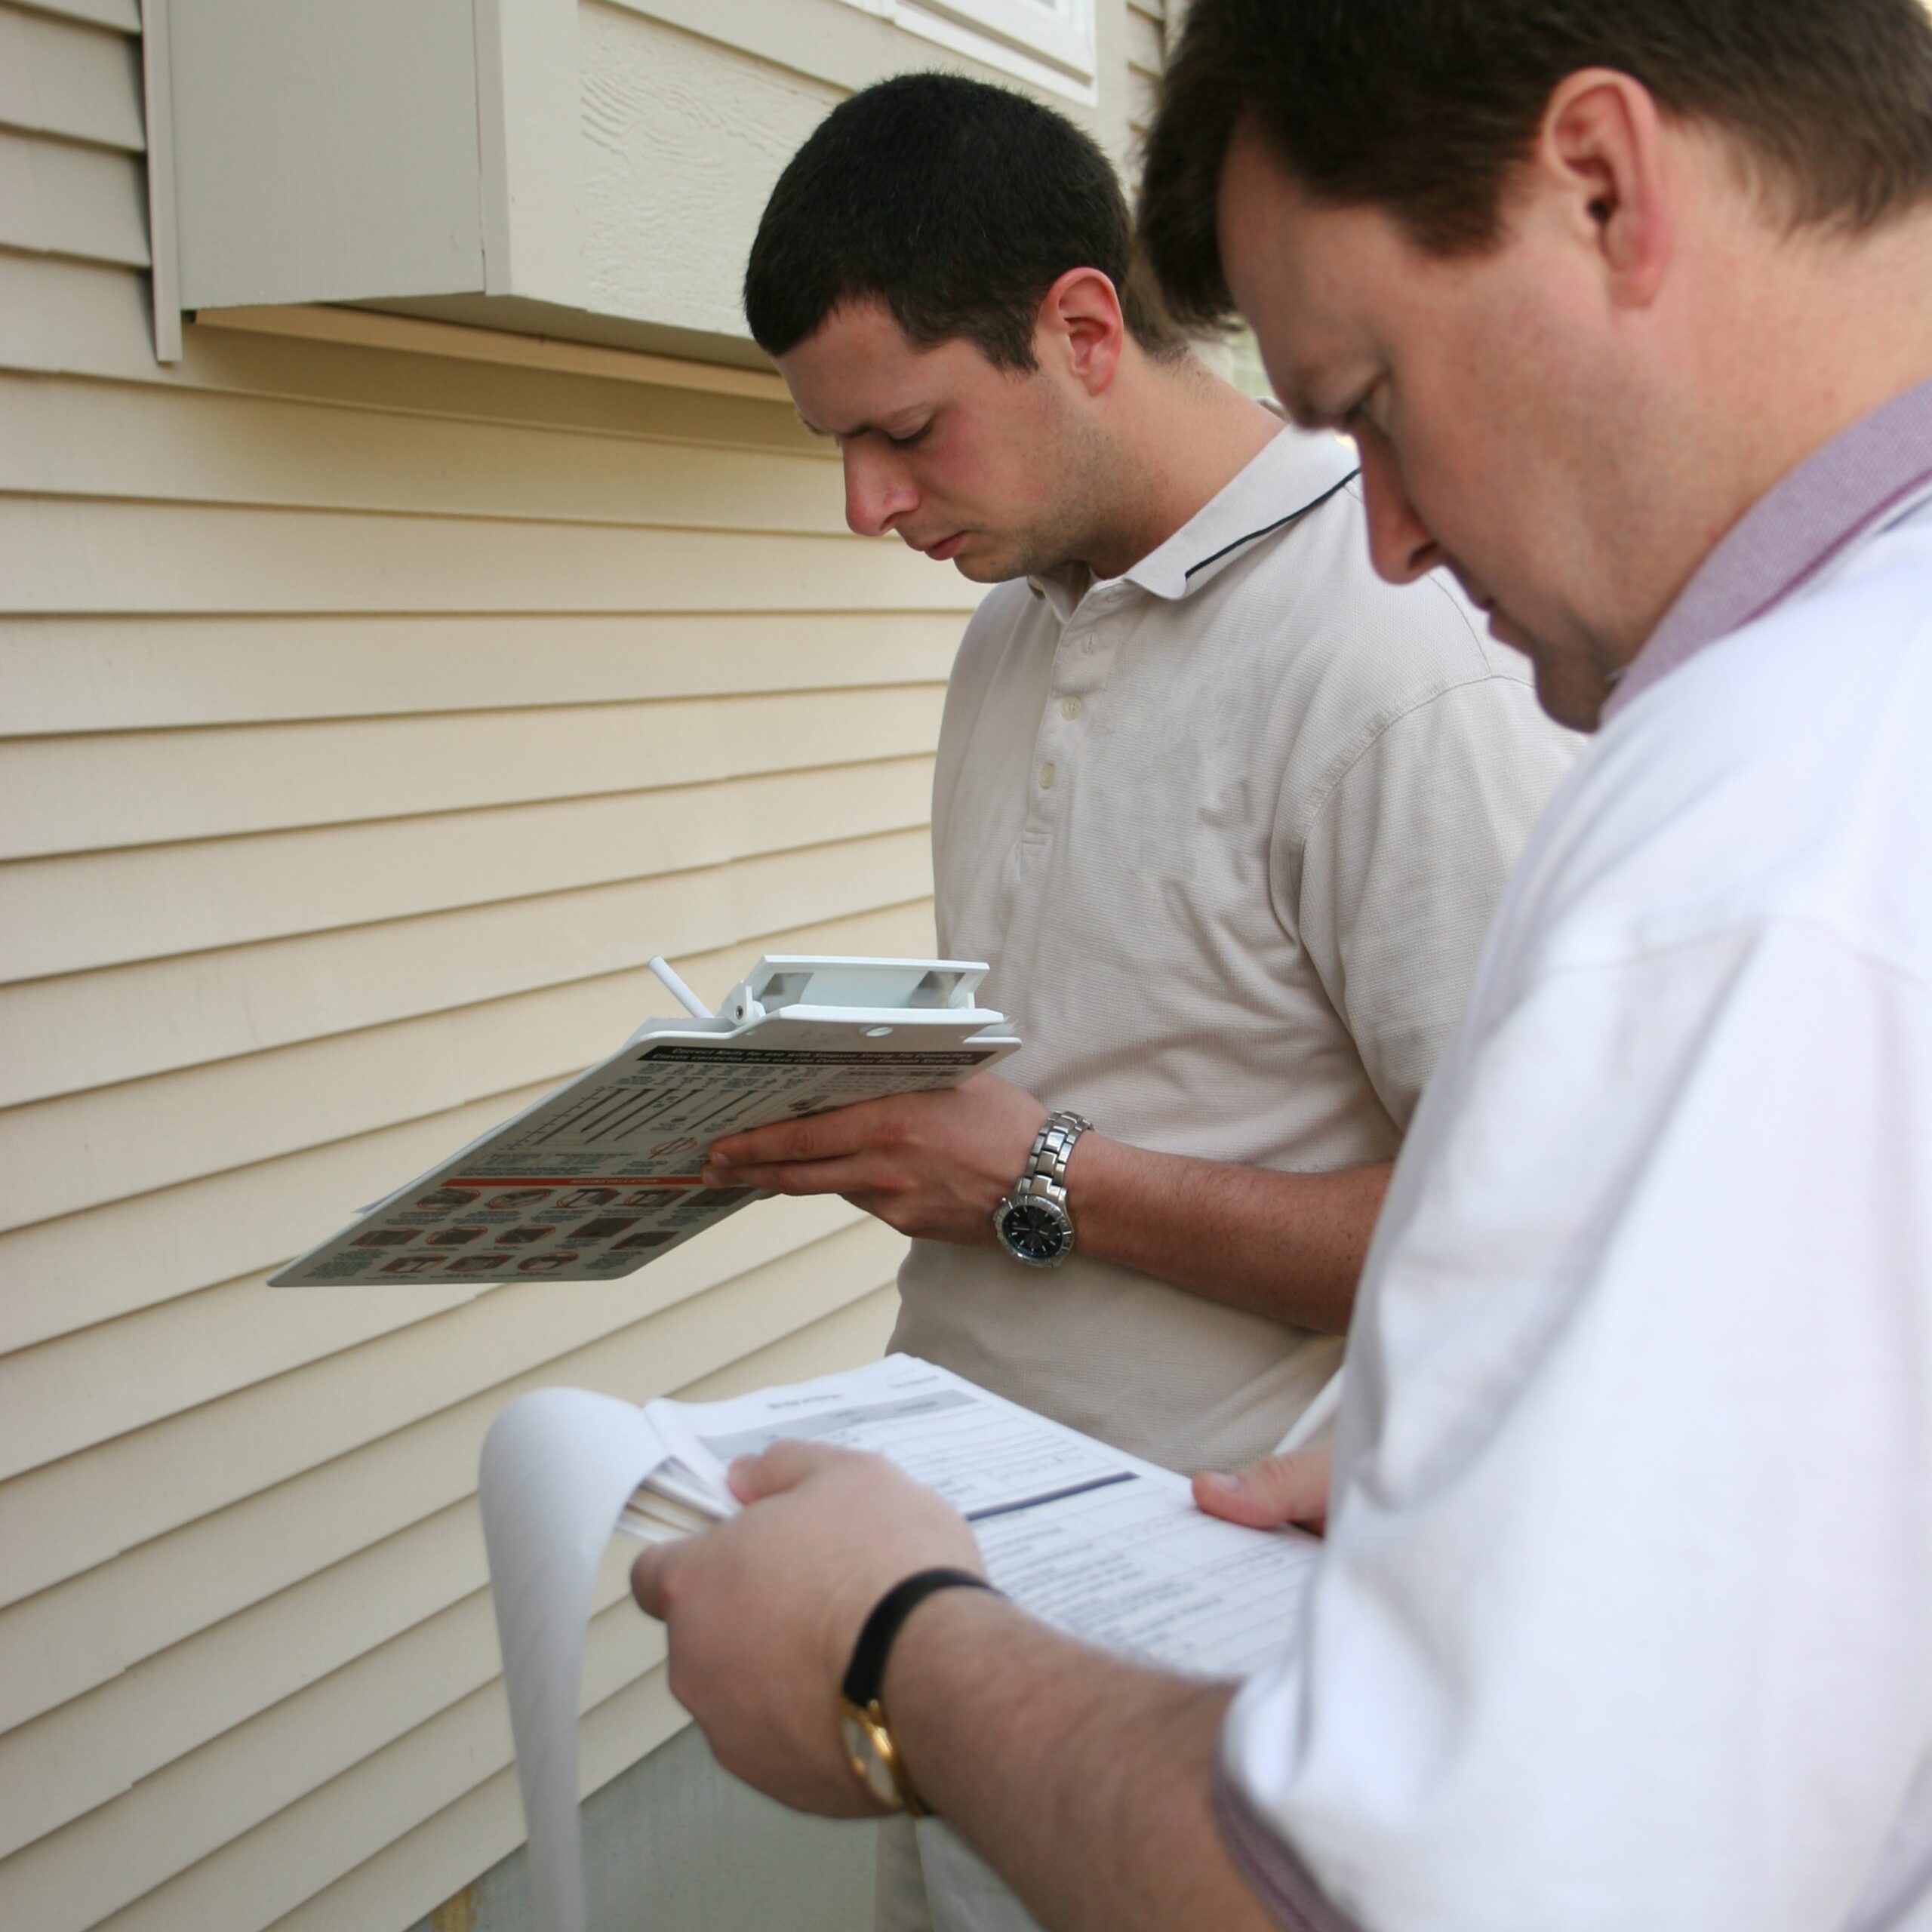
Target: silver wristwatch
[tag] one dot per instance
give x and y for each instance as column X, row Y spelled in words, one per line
column 1033, row 1222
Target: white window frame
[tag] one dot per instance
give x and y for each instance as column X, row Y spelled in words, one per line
column 1049, row 43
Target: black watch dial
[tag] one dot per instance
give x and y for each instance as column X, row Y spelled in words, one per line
column 1034, row 1231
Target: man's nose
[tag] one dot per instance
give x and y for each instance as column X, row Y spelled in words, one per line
column 877, row 492
column 1401, row 546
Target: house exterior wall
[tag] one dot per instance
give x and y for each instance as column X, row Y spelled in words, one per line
column 376, row 696
column 336, row 825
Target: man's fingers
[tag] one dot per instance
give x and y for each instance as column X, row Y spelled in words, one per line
column 816, row 1137
column 839, row 1175
column 1275, row 1490
column 784, row 1465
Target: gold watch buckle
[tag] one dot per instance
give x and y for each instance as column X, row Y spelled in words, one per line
column 870, row 1724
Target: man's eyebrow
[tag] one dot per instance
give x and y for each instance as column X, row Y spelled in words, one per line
column 857, row 429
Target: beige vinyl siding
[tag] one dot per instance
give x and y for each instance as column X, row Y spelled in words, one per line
column 369, row 714
column 1144, row 28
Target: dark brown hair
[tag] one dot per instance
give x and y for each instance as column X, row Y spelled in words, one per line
column 958, row 205
column 1425, row 108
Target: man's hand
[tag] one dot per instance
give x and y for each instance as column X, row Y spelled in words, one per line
column 1275, row 1491
column 935, row 1165
column 763, row 1611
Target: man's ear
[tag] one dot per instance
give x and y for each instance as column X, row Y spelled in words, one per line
column 1600, row 151
column 1080, row 329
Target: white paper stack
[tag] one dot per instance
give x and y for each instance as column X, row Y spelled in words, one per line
column 1095, row 1541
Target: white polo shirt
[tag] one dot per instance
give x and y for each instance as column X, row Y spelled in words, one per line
column 1230, row 828
column 1625, row 1619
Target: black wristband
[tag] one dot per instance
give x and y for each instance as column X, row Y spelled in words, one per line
column 866, row 1674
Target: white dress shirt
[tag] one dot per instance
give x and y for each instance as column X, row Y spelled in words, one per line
column 1625, row 1619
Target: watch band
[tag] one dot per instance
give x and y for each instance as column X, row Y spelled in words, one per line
column 1053, row 1148
column 865, row 1676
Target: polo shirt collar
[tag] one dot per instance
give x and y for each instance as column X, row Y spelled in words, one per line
column 1293, row 472
column 1837, row 497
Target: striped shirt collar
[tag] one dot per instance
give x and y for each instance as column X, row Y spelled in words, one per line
column 1859, row 482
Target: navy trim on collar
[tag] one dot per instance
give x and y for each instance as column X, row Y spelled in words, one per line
column 1280, row 523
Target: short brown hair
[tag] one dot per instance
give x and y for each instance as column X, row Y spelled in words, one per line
column 1426, row 107
column 956, row 204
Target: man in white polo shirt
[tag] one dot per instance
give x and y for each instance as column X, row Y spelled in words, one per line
column 1227, row 814
column 1622, row 1620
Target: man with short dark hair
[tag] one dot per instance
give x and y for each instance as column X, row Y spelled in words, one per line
column 1227, row 814
column 1621, row 1619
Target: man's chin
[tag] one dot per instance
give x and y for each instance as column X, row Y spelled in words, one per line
column 988, row 567
column 1569, row 688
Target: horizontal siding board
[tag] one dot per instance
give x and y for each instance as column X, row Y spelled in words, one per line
column 1146, row 52
column 60, row 1394
column 167, row 1702
column 87, row 1030
column 371, row 712
column 171, row 1703
column 63, row 675
column 66, row 915
column 415, row 1873
column 57, row 555
column 69, row 1394
column 272, row 1870
column 138, row 1254
column 75, row 1878
column 192, row 1521
column 394, row 1791
column 71, row 1274
column 187, row 1805
column 58, row 1157
column 79, row 1757
column 132, row 440
column 62, row 316
column 140, row 1486
column 110, row 791
column 431, row 1861
column 86, row 1150
column 58, row 77
column 58, row 198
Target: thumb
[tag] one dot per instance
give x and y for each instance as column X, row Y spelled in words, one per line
column 784, row 1465
column 651, row 1579
column 1275, row 1490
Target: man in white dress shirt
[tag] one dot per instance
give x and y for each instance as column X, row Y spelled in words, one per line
column 1622, row 1616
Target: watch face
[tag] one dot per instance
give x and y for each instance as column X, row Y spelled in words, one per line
column 1036, row 1231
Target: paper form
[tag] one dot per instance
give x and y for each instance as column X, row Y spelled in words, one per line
column 1104, row 1546
column 1093, row 1541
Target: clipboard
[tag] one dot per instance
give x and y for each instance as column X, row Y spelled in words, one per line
column 601, row 1176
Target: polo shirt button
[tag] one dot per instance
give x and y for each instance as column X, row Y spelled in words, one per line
column 1046, row 778
column 1069, row 707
